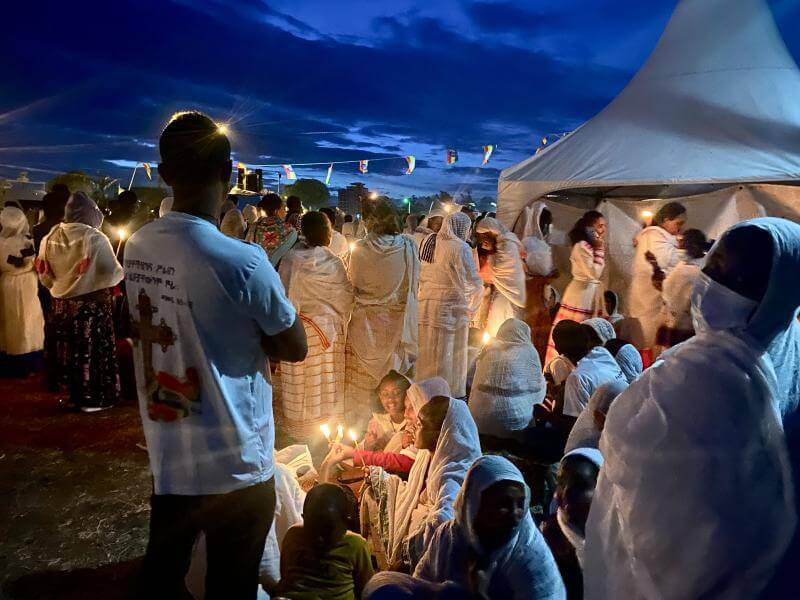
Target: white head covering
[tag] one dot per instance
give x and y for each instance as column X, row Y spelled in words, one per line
column 630, row 362
column 523, row 567
column 508, row 381
column 420, row 393
column 14, row 235
column 603, row 329
column 592, row 454
column 233, row 224
column 507, row 270
column 616, row 316
column 349, row 230
column 166, row 206
column 250, row 213
column 533, row 214
column 456, row 226
column 722, row 440
column 584, row 433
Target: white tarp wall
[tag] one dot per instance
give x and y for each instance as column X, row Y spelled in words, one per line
column 712, row 213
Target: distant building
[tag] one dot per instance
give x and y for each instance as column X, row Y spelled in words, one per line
column 351, row 197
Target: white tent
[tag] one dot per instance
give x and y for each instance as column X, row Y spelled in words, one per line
column 716, row 105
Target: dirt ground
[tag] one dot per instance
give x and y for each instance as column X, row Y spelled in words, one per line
column 74, row 494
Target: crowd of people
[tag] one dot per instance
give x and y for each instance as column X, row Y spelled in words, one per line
column 510, row 440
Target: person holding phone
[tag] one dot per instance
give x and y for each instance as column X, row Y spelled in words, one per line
column 583, row 297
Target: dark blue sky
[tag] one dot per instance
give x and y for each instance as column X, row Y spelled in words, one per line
column 88, row 84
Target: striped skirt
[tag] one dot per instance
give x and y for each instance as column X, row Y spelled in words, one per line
column 313, row 391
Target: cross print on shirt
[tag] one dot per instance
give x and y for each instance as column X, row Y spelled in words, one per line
column 148, row 334
column 169, row 398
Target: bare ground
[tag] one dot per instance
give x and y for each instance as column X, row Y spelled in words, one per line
column 74, row 494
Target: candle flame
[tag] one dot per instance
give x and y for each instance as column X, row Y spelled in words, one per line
column 486, row 337
column 326, row 431
column 647, row 214
column 122, row 233
column 339, row 432
column 352, row 434
column 352, row 246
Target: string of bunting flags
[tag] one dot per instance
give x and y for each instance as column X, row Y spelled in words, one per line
column 451, row 158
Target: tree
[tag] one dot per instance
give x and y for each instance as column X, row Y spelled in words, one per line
column 312, row 193
column 76, row 181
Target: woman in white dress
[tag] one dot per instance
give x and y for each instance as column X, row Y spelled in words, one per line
column 449, row 296
column 583, row 297
column 316, row 283
column 657, row 253
column 21, row 319
column 382, row 336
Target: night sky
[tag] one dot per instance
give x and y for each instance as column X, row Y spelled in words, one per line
column 88, row 85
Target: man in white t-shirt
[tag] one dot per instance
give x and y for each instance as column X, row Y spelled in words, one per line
column 596, row 368
column 207, row 311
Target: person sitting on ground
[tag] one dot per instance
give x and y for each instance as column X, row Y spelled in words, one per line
column 677, row 288
column 627, row 357
column 321, row 559
column 709, row 415
column 508, row 382
column 592, row 370
column 589, row 426
column 492, row 546
column 612, row 306
column 564, row 531
column 339, row 245
column 571, row 341
column 388, row 416
column 448, row 444
column 601, row 330
column 399, row 453
column 271, row 232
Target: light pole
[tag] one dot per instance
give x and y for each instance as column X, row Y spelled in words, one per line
column 408, row 201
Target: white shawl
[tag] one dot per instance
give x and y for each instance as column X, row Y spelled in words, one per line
column 523, row 568
column 538, row 254
column 508, row 273
column 383, row 333
column 77, row 259
column 317, row 285
column 508, row 381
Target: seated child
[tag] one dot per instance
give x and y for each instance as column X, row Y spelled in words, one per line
column 321, row 559
column 389, row 419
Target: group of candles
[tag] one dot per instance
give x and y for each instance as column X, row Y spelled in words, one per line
column 351, row 433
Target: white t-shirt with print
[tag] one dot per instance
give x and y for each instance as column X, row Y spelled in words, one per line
column 200, row 303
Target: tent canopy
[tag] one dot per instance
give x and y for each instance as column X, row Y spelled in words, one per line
column 716, row 103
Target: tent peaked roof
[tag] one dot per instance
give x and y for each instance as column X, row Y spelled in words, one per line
column 716, row 102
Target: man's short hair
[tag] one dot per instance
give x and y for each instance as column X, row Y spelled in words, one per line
column 330, row 213
column 315, row 228
column 271, row 203
column 193, row 149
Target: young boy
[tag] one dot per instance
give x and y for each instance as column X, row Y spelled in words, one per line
column 321, row 559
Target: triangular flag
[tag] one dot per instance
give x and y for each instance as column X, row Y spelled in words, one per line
column 452, row 156
column 120, row 189
column 412, row 163
column 487, row 153
column 290, row 175
column 544, row 141
column 362, row 166
column 147, row 171
column 328, row 174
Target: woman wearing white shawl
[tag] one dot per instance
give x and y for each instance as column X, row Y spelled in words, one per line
column 697, row 474
column 430, row 225
column 402, row 516
column 383, row 331
column 540, row 272
column 78, row 265
column 449, row 296
column 504, row 275
column 521, row 568
column 657, row 243
column 233, row 224
column 316, row 282
column 508, row 382
column 21, row 319
column 587, row 429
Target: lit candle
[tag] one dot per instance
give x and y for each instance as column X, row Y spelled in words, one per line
column 354, row 437
column 326, row 431
column 486, row 337
column 352, row 246
column 339, row 432
column 647, row 216
column 122, row 233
